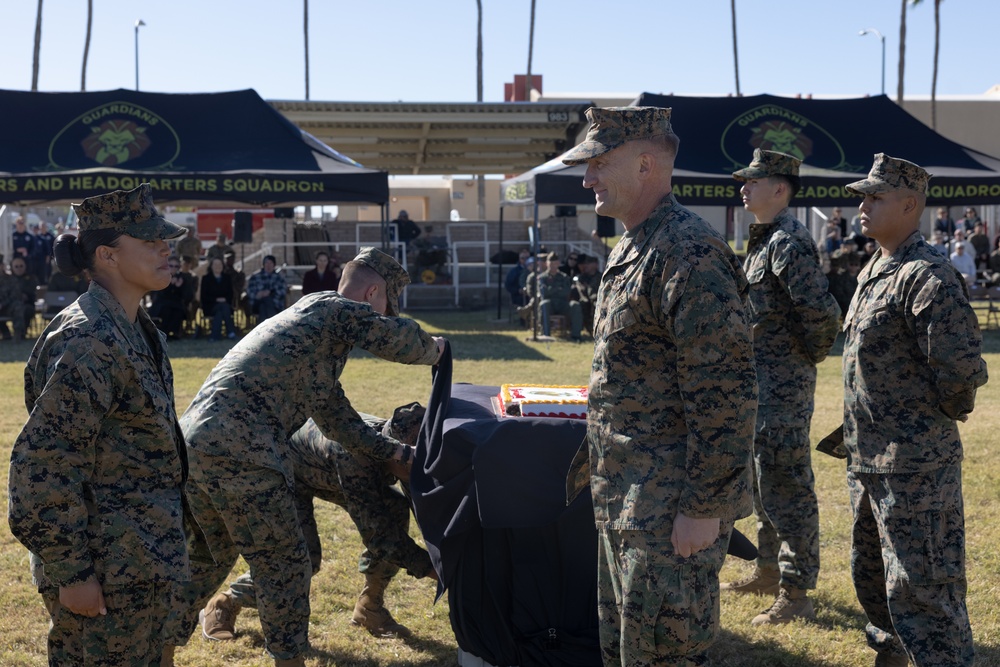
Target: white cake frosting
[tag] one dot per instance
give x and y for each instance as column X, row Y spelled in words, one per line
column 535, row 400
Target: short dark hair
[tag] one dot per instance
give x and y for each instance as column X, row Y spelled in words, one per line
column 794, row 183
column 364, row 273
column 271, row 258
column 669, row 143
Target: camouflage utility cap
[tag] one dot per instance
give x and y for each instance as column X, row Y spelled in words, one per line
column 610, row 127
column 405, row 423
column 396, row 277
column 889, row 174
column 130, row 212
column 768, row 163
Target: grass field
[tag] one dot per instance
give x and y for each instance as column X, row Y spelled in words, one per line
column 490, row 353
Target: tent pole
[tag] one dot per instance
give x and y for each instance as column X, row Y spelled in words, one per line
column 535, row 247
column 500, row 284
column 385, row 230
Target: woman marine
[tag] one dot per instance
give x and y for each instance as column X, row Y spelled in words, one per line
column 97, row 472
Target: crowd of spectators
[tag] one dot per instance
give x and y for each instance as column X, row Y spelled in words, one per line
column 844, row 248
column 525, row 286
column 965, row 242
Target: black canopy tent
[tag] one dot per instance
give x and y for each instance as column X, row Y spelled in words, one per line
column 836, row 139
column 227, row 149
column 549, row 183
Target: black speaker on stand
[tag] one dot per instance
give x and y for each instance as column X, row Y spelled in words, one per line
column 243, row 227
column 606, row 229
column 606, row 226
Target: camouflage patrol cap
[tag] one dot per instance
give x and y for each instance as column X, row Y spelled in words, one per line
column 889, row 174
column 768, row 163
column 130, row 212
column 610, row 127
column 396, row 277
column 405, row 423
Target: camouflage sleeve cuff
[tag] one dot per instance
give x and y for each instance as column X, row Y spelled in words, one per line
column 422, row 568
column 725, row 497
column 68, row 572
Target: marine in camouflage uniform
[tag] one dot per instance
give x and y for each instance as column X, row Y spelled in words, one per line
column 672, row 401
column 238, row 427
column 554, row 289
column 912, row 365
column 586, row 285
column 12, row 306
column 97, row 472
column 795, row 321
column 325, row 470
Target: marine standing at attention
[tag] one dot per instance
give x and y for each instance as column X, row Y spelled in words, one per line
column 97, row 472
column 795, row 321
column 672, row 402
column 912, row 364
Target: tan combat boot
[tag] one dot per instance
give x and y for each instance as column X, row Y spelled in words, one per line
column 297, row 661
column 760, row 582
column 218, row 618
column 792, row 603
column 370, row 612
column 167, row 657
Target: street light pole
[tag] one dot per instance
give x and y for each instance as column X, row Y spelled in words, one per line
column 138, row 22
column 881, row 37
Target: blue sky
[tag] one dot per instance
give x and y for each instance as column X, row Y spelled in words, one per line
column 387, row 50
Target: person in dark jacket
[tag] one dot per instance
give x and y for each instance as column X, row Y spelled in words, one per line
column 324, row 278
column 217, row 299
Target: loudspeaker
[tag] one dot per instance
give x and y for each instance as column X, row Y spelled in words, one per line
column 565, row 211
column 243, row 227
column 284, row 213
column 606, row 227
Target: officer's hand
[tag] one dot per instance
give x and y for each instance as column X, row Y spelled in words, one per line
column 690, row 536
column 401, row 462
column 85, row 599
column 440, row 343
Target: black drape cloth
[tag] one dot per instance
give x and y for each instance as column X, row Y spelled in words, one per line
column 519, row 566
column 489, row 495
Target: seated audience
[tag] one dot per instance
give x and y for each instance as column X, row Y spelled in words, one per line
column 981, row 244
column 28, row 286
column 968, row 223
column 512, row 282
column 944, row 224
column 325, row 277
column 833, row 236
column 170, row 305
column 960, row 239
column 266, row 290
column 60, row 282
column 554, row 288
column 11, row 306
column 939, row 243
column 965, row 264
column 571, row 267
column 217, row 299
column 219, row 249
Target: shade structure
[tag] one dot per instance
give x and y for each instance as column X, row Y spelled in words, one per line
column 836, row 139
column 229, row 148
